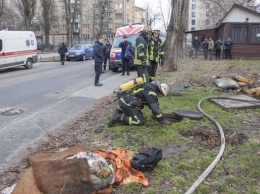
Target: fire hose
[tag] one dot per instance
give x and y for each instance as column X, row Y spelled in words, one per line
column 221, row 151
column 222, row 138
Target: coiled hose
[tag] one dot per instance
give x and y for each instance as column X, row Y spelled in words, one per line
column 221, row 151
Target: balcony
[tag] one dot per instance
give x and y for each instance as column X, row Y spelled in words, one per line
column 76, row 30
column 76, row 20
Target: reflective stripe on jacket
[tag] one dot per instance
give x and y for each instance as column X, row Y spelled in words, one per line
column 141, row 51
column 155, row 49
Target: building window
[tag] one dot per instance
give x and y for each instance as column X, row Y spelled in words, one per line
column 85, row 16
column 86, row 26
column 95, row 6
column 85, row 6
column 56, row 18
column 193, row 6
column 119, row 16
column 86, row 36
column 108, row 25
column 193, row 14
column 64, row 27
column 207, row 13
column 239, row 33
column 255, row 29
column 207, row 5
column 110, row 36
column 118, row 25
column 192, row 28
column 108, row 15
column 193, row 0
column 63, row 17
column 55, row 27
column 118, row 6
column 36, row 10
column 192, row 22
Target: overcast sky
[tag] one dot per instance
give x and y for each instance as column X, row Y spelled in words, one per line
column 156, row 4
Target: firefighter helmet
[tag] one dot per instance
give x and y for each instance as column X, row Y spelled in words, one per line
column 146, row 30
column 156, row 31
column 164, row 88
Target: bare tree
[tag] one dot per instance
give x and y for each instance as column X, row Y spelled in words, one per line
column 151, row 14
column 175, row 33
column 99, row 11
column 165, row 16
column 47, row 9
column 67, row 7
column 2, row 3
column 27, row 8
column 10, row 19
column 218, row 8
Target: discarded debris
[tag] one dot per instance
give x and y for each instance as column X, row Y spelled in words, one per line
column 226, row 83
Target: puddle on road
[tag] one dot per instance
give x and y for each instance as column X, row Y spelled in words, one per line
column 10, row 111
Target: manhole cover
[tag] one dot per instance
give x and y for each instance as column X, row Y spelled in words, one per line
column 189, row 114
column 10, row 111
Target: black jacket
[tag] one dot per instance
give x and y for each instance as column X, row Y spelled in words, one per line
column 107, row 49
column 196, row 44
column 98, row 52
column 141, row 50
column 228, row 45
column 218, row 45
column 148, row 96
column 123, row 45
column 62, row 50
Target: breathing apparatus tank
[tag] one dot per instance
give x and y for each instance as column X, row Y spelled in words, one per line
column 131, row 84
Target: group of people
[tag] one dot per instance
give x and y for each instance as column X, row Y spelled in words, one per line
column 208, row 47
column 145, row 55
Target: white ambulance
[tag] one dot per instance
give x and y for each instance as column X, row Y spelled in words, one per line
column 17, row 48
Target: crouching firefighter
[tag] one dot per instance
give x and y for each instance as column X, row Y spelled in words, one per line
column 131, row 103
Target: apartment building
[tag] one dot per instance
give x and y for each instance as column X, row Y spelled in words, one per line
column 140, row 15
column 86, row 19
column 204, row 14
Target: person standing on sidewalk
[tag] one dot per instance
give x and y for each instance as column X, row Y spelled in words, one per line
column 196, row 47
column 123, row 45
column 107, row 49
column 141, row 60
column 62, row 51
column 98, row 55
column 211, row 47
column 129, row 57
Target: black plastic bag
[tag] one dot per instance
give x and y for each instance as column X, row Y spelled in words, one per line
column 147, row 160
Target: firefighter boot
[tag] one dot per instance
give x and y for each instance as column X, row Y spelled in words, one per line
column 116, row 117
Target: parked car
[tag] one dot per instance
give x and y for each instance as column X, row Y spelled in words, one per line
column 80, row 52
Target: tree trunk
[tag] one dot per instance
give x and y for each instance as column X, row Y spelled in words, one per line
column 175, row 34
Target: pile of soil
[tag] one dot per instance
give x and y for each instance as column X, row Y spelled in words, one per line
column 210, row 139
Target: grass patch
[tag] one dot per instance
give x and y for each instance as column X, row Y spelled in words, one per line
column 239, row 169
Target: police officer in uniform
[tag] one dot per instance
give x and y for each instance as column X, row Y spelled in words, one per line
column 155, row 53
column 141, row 60
column 131, row 103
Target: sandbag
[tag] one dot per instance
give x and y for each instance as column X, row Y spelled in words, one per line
column 26, row 184
column 68, row 176
column 226, row 83
column 101, row 174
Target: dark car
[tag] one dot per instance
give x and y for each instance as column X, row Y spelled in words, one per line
column 80, row 52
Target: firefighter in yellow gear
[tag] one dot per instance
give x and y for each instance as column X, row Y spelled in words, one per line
column 155, row 50
column 141, row 60
column 131, row 104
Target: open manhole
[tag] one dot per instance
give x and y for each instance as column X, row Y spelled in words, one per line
column 10, row 111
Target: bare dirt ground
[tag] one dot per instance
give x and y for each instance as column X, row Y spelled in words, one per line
column 85, row 129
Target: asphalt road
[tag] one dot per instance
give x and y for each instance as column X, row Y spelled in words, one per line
column 49, row 94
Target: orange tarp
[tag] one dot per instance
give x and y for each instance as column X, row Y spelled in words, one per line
column 124, row 173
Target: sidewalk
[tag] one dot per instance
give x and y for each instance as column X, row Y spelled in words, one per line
column 47, row 55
